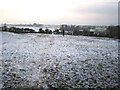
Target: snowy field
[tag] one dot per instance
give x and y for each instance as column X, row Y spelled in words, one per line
column 41, row 60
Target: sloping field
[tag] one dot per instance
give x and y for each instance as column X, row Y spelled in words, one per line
column 41, row 60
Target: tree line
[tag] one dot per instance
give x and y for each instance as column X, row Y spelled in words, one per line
column 111, row 31
column 17, row 30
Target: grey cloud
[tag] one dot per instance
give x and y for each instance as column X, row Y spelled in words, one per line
column 99, row 8
column 102, row 13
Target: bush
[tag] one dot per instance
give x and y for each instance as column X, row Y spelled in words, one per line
column 41, row 30
column 113, row 31
column 57, row 31
column 47, row 31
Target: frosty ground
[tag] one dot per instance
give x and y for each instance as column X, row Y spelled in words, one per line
column 41, row 60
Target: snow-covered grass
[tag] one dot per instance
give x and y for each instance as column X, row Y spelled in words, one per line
column 41, row 60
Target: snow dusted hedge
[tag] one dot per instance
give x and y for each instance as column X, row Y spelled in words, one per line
column 54, row 61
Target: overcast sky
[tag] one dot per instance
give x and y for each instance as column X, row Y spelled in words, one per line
column 94, row 12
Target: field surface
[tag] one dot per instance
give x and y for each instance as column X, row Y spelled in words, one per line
column 41, row 60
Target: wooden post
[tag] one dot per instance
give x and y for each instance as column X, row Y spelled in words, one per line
column 63, row 32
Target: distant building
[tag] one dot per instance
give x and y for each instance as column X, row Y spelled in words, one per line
column 100, row 29
column 69, row 32
column 92, row 30
column 81, row 30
